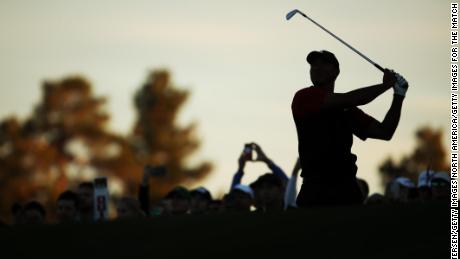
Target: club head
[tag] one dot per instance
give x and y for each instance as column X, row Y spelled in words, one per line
column 291, row 13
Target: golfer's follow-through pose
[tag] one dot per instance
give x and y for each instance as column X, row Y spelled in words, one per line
column 326, row 122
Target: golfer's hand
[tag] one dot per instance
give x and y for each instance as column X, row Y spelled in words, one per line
column 401, row 86
column 389, row 78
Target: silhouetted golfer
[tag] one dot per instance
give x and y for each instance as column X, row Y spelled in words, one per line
column 326, row 122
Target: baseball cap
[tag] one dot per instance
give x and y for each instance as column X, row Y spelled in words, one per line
column 323, row 55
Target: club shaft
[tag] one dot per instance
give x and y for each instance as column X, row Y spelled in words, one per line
column 346, row 44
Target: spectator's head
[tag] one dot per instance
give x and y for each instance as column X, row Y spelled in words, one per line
column 67, row 207
column 17, row 211
column 269, row 192
column 401, row 189
column 200, row 200
column 240, row 198
column 424, row 185
column 33, row 213
column 391, row 190
column 407, row 190
column 177, row 201
column 85, row 194
column 440, row 186
column 129, row 208
column 324, row 67
column 364, row 187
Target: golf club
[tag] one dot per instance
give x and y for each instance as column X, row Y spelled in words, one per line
column 293, row 12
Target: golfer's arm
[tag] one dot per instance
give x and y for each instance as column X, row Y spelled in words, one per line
column 354, row 98
column 387, row 127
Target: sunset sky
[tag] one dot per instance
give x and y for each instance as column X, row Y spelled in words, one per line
column 241, row 60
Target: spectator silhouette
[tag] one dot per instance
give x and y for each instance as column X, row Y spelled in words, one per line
column 260, row 157
column 326, row 122
column 364, row 187
column 269, row 192
column 85, row 194
column 401, row 190
column 269, row 188
column 33, row 213
column 144, row 190
column 440, row 186
column 240, row 199
column 291, row 189
column 177, row 201
column 200, row 201
column 424, row 185
column 129, row 208
column 17, row 211
column 67, row 207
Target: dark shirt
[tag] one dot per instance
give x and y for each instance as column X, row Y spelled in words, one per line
column 325, row 136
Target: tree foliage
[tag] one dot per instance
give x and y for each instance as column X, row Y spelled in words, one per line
column 429, row 152
column 65, row 141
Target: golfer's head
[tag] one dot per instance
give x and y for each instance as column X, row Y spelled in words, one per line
column 324, row 67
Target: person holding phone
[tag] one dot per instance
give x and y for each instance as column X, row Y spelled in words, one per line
column 268, row 188
column 252, row 152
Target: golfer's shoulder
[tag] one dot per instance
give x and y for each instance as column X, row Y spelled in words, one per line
column 308, row 101
column 308, row 93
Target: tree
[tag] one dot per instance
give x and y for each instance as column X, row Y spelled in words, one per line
column 56, row 147
column 156, row 137
column 65, row 141
column 429, row 152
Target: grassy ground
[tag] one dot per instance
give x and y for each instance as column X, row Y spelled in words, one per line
column 404, row 231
